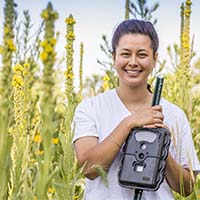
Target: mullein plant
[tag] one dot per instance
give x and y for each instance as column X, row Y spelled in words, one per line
column 190, row 98
column 81, row 70
column 108, row 64
column 6, row 115
column 27, row 54
column 105, row 85
column 67, row 162
column 45, row 154
column 184, row 70
column 8, row 48
column 196, row 107
column 19, row 153
column 183, row 73
column 69, row 74
column 180, row 66
column 178, row 94
column 68, row 182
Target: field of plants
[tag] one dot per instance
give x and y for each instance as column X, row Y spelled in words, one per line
column 37, row 160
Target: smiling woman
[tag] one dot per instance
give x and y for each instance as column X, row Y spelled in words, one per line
column 102, row 123
column 134, row 59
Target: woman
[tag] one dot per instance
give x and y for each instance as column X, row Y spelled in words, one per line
column 103, row 123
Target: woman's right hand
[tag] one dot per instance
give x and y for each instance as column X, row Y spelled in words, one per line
column 148, row 118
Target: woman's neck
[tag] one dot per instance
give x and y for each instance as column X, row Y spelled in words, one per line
column 134, row 97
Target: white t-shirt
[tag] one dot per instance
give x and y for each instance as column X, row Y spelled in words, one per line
column 98, row 116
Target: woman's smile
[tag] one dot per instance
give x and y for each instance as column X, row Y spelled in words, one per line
column 133, row 72
column 134, row 59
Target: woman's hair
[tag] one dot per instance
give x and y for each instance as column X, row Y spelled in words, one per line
column 135, row 26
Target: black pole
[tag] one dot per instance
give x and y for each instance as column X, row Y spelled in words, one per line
column 138, row 194
column 157, row 91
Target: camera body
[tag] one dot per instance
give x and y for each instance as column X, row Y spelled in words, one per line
column 143, row 160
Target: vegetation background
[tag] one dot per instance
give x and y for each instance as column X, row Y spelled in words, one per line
column 38, row 97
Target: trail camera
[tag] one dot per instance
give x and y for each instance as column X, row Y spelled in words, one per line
column 144, row 153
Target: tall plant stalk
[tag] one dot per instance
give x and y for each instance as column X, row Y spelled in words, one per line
column 6, row 115
column 184, row 70
column 48, row 125
column 19, row 153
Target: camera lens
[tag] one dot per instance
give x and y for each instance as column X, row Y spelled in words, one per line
column 141, row 155
column 143, row 146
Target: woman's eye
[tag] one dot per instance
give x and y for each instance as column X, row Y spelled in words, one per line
column 125, row 54
column 142, row 55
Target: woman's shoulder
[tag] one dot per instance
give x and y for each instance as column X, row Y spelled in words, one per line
column 171, row 109
column 99, row 99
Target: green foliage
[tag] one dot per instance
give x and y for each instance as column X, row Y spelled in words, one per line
column 6, row 114
column 141, row 10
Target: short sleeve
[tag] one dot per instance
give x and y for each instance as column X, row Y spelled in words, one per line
column 84, row 121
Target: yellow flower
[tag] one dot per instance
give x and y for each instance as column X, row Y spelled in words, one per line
column 70, row 20
column 26, row 65
column 25, row 73
column 43, row 43
column 67, row 47
column 17, row 81
column 38, row 138
column 18, row 68
column 105, row 86
column 55, row 140
column 43, row 56
column 70, row 35
column 39, row 152
column 188, row 2
column 187, row 12
column 11, row 130
column 6, row 30
column 68, row 75
column 76, row 197
column 11, row 45
column 33, row 161
column 106, row 78
column 55, row 15
column 45, row 14
column 1, row 49
column 51, row 190
column 48, row 48
column 53, row 41
column 69, row 68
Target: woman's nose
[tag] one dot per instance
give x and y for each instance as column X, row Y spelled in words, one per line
column 133, row 61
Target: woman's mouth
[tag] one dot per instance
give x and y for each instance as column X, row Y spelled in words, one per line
column 133, row 72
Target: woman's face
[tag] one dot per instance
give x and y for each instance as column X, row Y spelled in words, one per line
column 134, row 59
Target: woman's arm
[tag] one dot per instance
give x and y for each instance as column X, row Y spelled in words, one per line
column 180, row 179
column 90, row 153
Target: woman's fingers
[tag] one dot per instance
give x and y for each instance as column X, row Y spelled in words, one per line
column 157, row 107
column 156, row 125
column 158, row 114
column 148, row 117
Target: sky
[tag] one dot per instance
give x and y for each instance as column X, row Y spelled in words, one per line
column 95, row 18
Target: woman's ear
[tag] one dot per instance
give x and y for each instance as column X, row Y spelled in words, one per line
column 155, row 59
column 113, row 59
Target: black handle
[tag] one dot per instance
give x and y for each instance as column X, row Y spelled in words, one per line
column 157, row 91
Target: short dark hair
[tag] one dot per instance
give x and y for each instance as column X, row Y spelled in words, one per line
column 135, row 26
